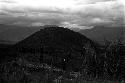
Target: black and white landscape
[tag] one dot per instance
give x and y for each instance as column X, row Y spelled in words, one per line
column 62, row 41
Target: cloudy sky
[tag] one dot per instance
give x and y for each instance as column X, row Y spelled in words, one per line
column 69, row 13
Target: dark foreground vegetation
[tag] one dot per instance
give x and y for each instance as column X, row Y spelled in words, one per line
column 107, row 66
column 89, row 64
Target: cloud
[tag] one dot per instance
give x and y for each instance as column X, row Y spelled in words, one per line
column 81, row 2
column 73, row 13
column 7, row 1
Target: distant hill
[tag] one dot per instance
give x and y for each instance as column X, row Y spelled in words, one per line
column 55, row 37
column 99, row 33
column 58, row 42
column 12, row 34
column 6, row 42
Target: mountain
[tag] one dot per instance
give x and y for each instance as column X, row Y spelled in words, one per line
column 55, row 37
column 58, row 43
column 12, row 34
column 99, row 33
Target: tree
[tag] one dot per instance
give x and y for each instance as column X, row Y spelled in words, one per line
column 89, row 61
column 41, row 51
column 114, row 59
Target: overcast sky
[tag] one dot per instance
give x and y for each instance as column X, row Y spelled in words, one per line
column 69, row 13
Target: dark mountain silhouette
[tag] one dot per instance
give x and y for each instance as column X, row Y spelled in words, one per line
column 56, row 42
column 55, row 37
column 12, row 34
column 99, row 33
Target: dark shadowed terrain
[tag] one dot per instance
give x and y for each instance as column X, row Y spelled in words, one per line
column 54, row 54
column 100, row 33
column 12, row 34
